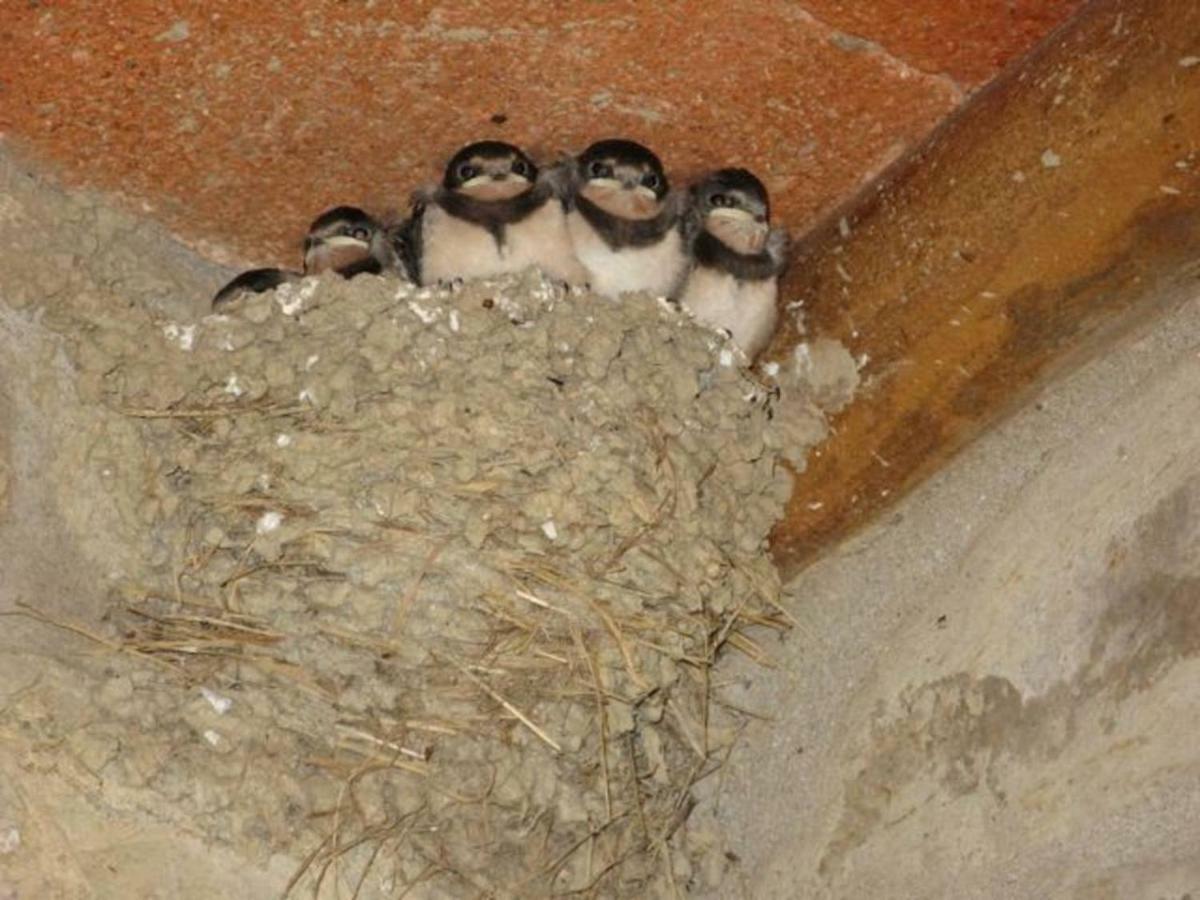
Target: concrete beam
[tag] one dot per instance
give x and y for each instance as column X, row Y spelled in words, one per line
column 1027, row 232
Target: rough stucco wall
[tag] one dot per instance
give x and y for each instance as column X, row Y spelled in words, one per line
column 993, row 692
column 234, row 123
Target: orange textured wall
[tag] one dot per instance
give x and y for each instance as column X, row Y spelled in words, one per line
column 234, row 122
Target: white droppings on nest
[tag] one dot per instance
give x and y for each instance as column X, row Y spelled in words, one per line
column 427, row 315
column 454, row 321
column 1188, row 62
column 802, row 356
column 213, row 737
column 233, row 386
column 726, row 357
column 311, row 361
column 306, row 396
column 268, row 522
column 220, row 704
column 283, row 440
column 290, row 298
column 550, row 530
column 10, row 840
column 771, row 369
column 182, row 336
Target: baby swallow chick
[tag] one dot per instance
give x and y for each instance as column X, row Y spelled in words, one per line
column 344, row 239
column 624, row 221
column 737, row 258
column 493, row 213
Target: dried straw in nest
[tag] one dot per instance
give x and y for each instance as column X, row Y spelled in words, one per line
column 471, row 556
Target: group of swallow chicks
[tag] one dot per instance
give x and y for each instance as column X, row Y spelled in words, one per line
column 606, row 219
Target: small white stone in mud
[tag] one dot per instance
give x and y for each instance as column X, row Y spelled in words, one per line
column 1018, row 177
column 283, row 440
column 183, row 336
column 550, row 529
column 10, row 840
column 726, row 357
column 312, row 361
column 179, row 31
column 221, row 704
column 771, row 369
column 1051, row 160
column 233, row 387
column 212, row 737
column 268, row 522
column 426, row 315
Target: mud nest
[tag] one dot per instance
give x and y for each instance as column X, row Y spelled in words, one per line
column 441, row 575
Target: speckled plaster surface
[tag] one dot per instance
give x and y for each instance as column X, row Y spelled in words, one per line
column 233, row 123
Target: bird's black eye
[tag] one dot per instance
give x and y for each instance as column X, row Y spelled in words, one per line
column 466, row 172
column 599, row 170
column 359, row 233
column 651, row 181
column 719, row 200
column 520, row 167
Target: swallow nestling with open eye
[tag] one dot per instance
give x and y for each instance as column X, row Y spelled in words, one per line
column 624, row 221
column 350, row 242
column 737, row 258
column 344, row 239
column 493, row 213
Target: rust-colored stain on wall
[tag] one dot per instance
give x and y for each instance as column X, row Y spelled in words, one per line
column 235, row 122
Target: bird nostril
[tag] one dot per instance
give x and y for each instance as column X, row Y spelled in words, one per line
column 499, row 176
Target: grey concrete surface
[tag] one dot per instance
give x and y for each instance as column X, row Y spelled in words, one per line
column 994, row 692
